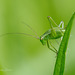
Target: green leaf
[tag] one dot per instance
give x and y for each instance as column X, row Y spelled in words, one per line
column 60, row 61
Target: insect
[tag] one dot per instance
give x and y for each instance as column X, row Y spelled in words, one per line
column 52, row 33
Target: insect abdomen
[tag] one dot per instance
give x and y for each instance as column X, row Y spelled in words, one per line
column 58, row 35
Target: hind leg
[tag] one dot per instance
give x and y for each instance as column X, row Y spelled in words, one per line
column 61, row 24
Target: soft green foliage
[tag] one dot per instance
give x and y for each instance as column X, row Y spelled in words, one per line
column 1, row 70
column 60, row 62
column 26, row 55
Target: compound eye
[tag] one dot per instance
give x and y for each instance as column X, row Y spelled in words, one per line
column 41, row 38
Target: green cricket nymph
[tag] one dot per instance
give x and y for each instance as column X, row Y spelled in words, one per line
column 53, row 33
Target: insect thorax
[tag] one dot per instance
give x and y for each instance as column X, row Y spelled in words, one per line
column 49, row 35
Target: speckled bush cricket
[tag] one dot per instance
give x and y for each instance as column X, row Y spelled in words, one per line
column 52, row 33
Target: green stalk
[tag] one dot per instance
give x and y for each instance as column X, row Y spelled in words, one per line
column 60, row 61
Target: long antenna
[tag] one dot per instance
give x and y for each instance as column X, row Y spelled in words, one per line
column 31, row 28
column 19, row 33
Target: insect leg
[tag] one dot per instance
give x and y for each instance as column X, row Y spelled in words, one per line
column 50, row 22
column 57, row 41
column 61, row 23
column 54, row 22
column 52, row 28
column 51, row 48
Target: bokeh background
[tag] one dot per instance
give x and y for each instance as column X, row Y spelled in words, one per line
column 24, row 55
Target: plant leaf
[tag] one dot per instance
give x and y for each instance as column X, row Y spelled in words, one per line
column 60, row 61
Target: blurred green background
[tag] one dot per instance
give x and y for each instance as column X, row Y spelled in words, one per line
column 24, row 55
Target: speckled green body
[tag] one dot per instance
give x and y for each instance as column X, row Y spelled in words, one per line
column 50, row 34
